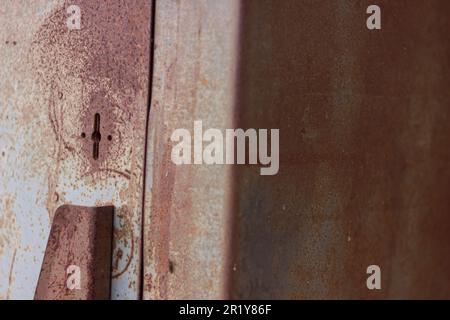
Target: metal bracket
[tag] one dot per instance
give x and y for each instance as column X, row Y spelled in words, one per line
column 77, row 262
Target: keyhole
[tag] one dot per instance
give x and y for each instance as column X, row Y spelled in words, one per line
column 96, row 136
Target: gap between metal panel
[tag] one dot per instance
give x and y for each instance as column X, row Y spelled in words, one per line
column 149, row 102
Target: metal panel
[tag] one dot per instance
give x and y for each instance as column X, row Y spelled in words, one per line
column 364, row 150
column 186, row 207
column 365, row 164
column 53, row 83
column 363, row 116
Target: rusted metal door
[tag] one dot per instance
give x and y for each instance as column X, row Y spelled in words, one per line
column 74, row 104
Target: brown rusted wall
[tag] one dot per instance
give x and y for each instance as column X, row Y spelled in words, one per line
column 364, row 150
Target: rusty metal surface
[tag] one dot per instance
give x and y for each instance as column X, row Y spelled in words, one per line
column 364, row 150
column 363, row 118
column 53, row 83
column 80, row 237
column 186, row 207
column 365, row 164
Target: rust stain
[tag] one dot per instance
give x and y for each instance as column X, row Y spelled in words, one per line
column 10, row 276
column 9, row 231
column 118, row 270
column 103, row 64
column 148, row 283
column 107, row 171
column 123, row 236
column 164, row 180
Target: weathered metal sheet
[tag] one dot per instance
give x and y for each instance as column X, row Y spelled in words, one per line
column 364, row 150
column 363, row 116
column 77, row 261
column 54, row 82
column 186, row 207
column 365, row 164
